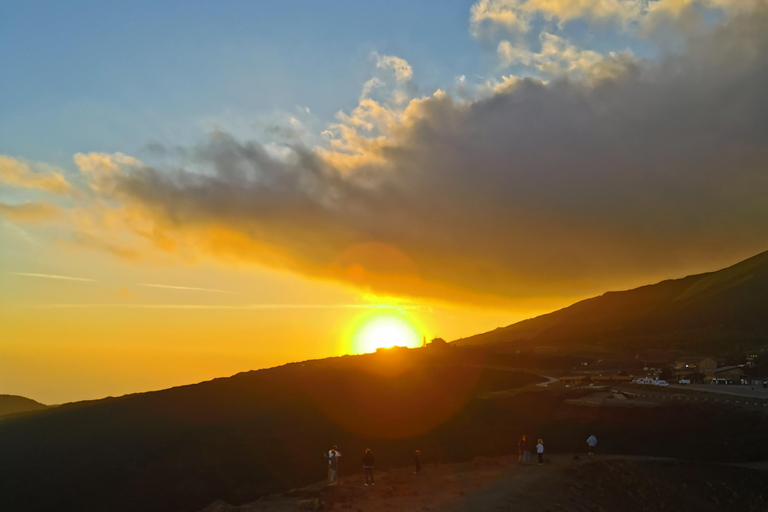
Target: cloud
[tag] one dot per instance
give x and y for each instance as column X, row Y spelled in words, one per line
column 495, row 13
column 53, row 276
column 29, row 212
column 98, row 168
column 558, row 56
column 369, row 86
column 677, row 8
column 529, row 190
column 19, row 174
column 99, row 237
column 516, row 16
column 400, row 67
column 488, row 17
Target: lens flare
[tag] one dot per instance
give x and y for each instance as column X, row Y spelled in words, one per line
column 385, row 331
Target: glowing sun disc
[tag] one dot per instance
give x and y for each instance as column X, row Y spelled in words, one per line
column 384, row 332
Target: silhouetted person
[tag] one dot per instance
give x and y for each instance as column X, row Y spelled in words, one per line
column 368, row 460
column 417, row 462
column 524, row 449
column 592, row 442
column 540, row 451
column 333, row 464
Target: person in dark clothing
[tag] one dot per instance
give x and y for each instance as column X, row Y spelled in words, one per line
column 417, row 462
column 368, row 459
column 524, row 449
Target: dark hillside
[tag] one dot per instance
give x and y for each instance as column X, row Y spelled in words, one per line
column 240, row 437
column 267, row 431
column 12, row 404
column 721, row 312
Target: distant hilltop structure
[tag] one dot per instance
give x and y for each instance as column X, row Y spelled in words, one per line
column 435, row 343
column 438, row 343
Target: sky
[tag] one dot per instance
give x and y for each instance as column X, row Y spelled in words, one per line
column 193, row 189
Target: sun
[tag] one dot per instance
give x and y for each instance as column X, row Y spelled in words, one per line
column 385, row 331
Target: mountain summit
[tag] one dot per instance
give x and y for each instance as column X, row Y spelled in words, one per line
column 721, row 311
column 12, row 404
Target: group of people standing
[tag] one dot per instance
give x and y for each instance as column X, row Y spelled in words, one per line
column 368, row 461
column 523, row 446
column 524, row 449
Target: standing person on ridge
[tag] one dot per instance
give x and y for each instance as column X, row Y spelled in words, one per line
column 592, row 442
column 333, row 465
column 417, row 462
column 540, row 451
column 368, row 460
column 524, row 448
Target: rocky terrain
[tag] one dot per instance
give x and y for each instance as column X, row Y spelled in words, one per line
column 563, row 483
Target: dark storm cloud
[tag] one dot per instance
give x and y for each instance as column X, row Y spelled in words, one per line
column 539, row 190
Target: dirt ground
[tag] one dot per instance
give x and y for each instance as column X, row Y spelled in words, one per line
column 624, row 484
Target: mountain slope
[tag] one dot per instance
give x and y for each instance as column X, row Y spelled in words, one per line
column 722, row 311
column 12, row 404
column 264, row 432
column 251, row 434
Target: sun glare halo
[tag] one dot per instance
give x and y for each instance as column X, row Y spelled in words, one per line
column 385, row 331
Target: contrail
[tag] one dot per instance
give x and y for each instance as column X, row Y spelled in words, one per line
column 189, row 288
column 53, row 276
column 24, row 235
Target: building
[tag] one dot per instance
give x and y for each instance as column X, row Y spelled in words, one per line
column 725, row 375
column 438, row 343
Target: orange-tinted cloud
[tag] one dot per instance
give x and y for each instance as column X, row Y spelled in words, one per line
column 29, row 212
column 518, row 16
column 17, row 173
column 533, row 190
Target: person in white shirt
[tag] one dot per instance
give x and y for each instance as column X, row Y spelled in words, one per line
column 333, row 464
column 540, row 451
column 592, row 442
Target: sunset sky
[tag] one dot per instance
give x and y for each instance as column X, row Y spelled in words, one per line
column 193, row 189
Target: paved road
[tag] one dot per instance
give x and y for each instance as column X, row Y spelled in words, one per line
column 743, row 391
column 549, row 378
column 550, row 381
column 646, row 392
